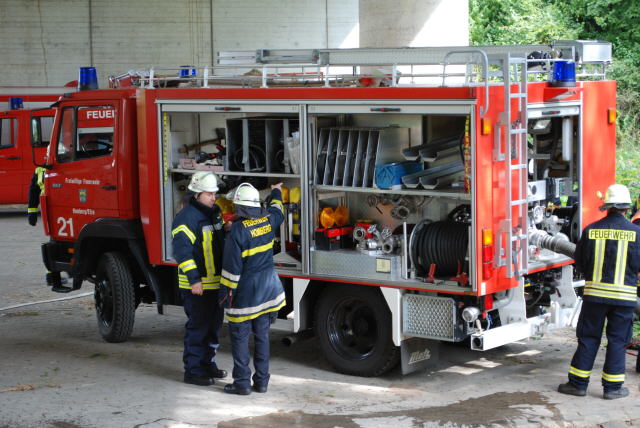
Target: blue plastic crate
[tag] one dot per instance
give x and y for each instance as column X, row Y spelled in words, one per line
column 389, row 176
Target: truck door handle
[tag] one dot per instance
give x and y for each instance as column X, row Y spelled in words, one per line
column 109, row 187
column 14, row 158
column 385, row 109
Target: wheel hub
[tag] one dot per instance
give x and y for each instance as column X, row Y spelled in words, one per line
column 352, row 329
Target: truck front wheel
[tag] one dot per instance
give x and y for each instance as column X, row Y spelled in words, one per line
column 114, row 297
column 353, row 325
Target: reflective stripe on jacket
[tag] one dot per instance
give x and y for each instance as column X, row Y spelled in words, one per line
column 249, row 279
column 608, row 254
column 198, row 240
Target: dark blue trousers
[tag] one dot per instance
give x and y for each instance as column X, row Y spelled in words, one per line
column 239, row 333
column 201, row 331
column 589, row 332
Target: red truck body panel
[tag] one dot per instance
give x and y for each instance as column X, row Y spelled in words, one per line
column 16, row 154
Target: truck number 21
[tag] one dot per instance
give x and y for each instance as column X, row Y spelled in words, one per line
column 64, row 223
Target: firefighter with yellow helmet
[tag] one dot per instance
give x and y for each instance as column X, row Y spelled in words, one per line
column 251, row 289
column 198, row 241
column 608, row 254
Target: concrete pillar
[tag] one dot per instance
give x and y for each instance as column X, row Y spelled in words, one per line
column 402, row 23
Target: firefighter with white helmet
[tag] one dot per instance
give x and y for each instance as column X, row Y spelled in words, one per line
column 608, row 254
column 247, row 195
column 250, row 287
column 198, row 242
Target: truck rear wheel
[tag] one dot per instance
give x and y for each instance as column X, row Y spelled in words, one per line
column 114, row 297
column 353, row 325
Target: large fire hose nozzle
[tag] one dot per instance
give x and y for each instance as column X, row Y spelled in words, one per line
column 558, row 243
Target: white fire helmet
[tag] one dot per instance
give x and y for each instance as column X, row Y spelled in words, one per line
column 617, row 196
column 247, row 195
column 203, row 181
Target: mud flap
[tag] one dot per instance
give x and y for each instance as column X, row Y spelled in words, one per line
column 417, row 354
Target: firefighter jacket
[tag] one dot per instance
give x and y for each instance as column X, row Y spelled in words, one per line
column 608, row 254
column 250, row 285
column 36, row 188
column 198, row 240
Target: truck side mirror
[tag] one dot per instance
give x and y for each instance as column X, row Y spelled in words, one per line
column 36, row 133
column 38, row 139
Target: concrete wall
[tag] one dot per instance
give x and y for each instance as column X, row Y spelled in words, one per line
column 396, row 23
column 44, row 42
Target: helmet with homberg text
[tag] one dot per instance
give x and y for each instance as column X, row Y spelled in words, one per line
column 247, row 195
column 203, row 181
column 617, row 196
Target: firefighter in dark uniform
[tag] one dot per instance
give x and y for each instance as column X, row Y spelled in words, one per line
column 36, row 188
column 250, row 287
column 198, row 240
column 608, row 254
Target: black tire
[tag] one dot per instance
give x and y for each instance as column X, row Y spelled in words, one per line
column 353, row 325
column 114, row 297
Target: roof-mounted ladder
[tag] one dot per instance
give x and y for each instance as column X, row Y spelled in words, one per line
column 419, row 66
column 513, row 126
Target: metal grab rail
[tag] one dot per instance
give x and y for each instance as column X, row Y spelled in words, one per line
column 339, row 67
column 485, row 63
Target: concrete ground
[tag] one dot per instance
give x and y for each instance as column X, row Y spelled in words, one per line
column 56, row 371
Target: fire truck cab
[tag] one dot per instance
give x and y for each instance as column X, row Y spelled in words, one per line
column 17, row 131
column 434, row 194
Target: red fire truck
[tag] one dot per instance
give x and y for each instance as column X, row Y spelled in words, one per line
column 434, row 193
column 16, row 153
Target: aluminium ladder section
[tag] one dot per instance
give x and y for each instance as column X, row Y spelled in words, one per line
column 514, row 227
column 278, row 65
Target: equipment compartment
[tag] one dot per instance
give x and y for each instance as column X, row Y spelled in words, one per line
column 401, row 180
column 258, row 145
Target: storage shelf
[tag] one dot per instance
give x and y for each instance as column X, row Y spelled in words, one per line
column 240, row 173
column 422, row 192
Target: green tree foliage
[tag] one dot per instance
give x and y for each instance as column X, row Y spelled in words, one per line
column 617, row 21
column 506, row 22
column 542, row 21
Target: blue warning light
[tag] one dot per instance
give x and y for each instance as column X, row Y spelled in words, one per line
column 187, row 71
column 87, row 78
column 564, row 74
column 15, row 103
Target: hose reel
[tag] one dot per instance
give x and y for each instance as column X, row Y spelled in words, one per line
column 441, row 243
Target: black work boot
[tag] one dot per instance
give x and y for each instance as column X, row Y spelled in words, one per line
column 216, row 373
column 198, row 380
column 55, row 281
column 259, row 388
column 50, row 277
column 570, row 389
column 231, row 388
column 616, row 393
